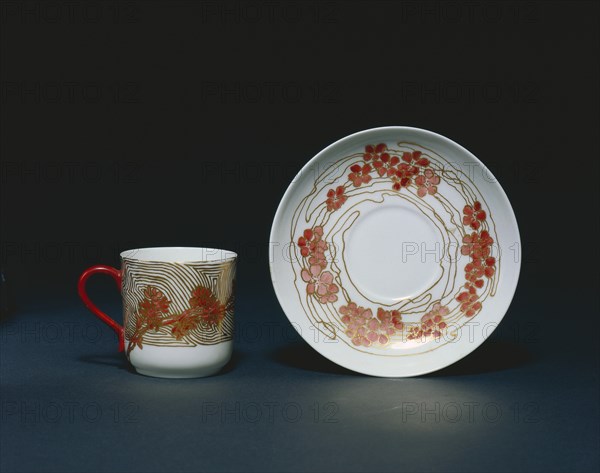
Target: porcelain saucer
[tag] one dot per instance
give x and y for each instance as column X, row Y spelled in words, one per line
column 395, row 252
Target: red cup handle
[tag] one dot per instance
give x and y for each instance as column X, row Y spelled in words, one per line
column 116, row 275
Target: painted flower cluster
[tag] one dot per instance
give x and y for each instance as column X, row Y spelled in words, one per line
column 432, row 323
column 478, row 246
column 153, row 313
column 364, row 329
column 336, row 198
column 319, row 282
column 411, row 168
column 405, row 170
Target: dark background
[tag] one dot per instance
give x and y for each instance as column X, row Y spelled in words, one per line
column 132, row 124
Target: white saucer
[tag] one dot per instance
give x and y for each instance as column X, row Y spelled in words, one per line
column 395, row 252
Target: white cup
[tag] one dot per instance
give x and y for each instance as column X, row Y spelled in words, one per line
column 177, row 309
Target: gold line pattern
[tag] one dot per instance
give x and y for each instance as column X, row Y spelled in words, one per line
column 335, row 202
column 177, row 281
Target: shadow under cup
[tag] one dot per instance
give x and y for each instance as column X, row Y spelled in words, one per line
column 177, row 309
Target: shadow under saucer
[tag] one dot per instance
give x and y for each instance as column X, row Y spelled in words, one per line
column 489, row 357
column 302, row 356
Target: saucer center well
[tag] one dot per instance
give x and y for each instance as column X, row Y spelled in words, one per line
column 392, row 253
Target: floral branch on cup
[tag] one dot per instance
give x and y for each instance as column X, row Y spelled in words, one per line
column 204, row 310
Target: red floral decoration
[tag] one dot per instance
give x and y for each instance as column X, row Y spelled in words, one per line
column 473, row 215
column 386, row 165
column 478, row 246
column 373, row 153
column 364, row 329
column 468, row 299
column 411, row 168
column 185, row 323
column 336, row 198
column 360, row 174
column 207, row 306
column 153, row 307
column 313, row 246
column 432, row 323
column 153, row 313
column 427, row 183
column 320, row 283
column 415, row 158
column 404, row 176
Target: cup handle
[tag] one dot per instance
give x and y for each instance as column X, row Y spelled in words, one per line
column 116, row 275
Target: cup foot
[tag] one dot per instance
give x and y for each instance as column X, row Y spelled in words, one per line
column 158, row 373
column 181, row 362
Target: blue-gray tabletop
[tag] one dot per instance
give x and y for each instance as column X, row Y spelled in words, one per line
column 526, row 400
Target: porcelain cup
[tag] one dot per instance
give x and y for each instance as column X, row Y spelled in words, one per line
column 177, row 309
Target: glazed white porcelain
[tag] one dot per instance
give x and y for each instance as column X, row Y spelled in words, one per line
column 191, row 362
column 395, row 252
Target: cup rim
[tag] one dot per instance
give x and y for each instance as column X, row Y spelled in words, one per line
column 215, row 255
